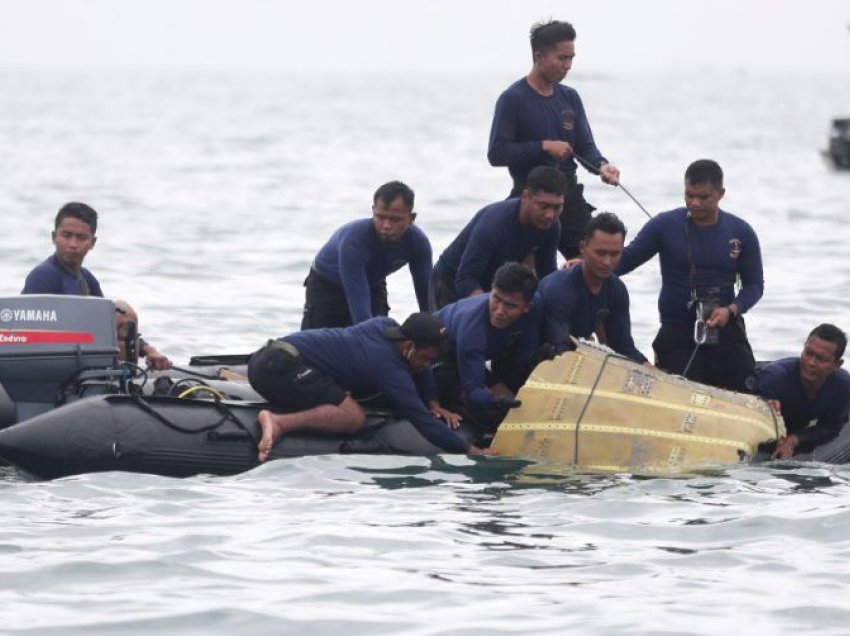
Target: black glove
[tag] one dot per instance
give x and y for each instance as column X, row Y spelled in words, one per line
column 506, row 403
column 545, row 351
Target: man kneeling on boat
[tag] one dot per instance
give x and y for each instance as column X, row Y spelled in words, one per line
column 588, row 298
column 812, row 392
column 310, row 376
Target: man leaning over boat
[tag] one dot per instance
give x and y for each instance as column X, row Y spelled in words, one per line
column 811, row 391
column 311, row 378
column 523, row 229
column 347, row 283
column 588, row 298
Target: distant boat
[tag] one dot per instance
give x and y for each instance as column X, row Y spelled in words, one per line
column 838, row 151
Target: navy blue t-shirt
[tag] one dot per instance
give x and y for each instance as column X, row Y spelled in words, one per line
column 828, row 410
column 50, row 277
column 355, row 259
column 569, row 308
column 524, row 118
column 362, row 360
column 493, row 237
column 719, row 254
column 473, row 341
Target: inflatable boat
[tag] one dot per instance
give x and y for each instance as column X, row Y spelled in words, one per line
column 69, row 407
column 178, row 437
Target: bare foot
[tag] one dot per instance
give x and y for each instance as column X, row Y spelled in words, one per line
column 270, row 434
column 475, row 450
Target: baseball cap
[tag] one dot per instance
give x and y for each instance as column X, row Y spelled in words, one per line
column 422, row 328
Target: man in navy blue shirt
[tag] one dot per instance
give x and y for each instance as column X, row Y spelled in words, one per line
column 63, row 273
column 588, row 298
column 502, row 327
column 73, row 237
column 525, row 229
column 702, row 251
column 347, row 283
column 812, row 392
column 313, row 376
column 539, row 121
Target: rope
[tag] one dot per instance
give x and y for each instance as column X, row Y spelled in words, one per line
column 202, row 387
column 607, row 357
column 226, row 414
column 690, row 362
column 594, row 170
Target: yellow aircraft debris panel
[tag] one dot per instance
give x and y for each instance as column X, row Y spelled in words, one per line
column 592, row 409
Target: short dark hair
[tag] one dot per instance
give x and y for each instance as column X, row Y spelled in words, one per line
column 831, row 333
column 704, row 171
column 546, row 179
column 515, row 277
column 545, row 35
column 607, row 222
column 389, row 192
column 76, row 210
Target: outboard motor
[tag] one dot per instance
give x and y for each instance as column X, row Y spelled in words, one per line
column 8, row 415
column 47, row 343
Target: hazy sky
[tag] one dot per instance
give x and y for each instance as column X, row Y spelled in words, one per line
column 781, row 36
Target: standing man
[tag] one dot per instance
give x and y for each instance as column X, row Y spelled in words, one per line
column 703, row 251
column 347, row 283
column 309, row 376
column 588, row 297
column 538, row 121
column 502, row 327
column 812, row 392
column 63, row 273
column 524, row 229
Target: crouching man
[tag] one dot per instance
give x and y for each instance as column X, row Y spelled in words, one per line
column 501, row 327
column 311, row 376
column 812, row 392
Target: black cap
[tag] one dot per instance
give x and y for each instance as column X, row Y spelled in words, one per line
column 424, row 329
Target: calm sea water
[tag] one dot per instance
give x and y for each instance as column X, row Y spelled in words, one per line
column 215, row 191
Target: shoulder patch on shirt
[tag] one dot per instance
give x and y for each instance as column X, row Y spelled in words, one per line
column 734, row 247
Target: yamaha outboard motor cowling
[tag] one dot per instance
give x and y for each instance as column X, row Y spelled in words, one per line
column 48, row 342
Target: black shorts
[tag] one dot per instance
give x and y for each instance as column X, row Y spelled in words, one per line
column 574, row 221
column 728, row 364
column 327, row 306
column 441, row 292
column 280, row 375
